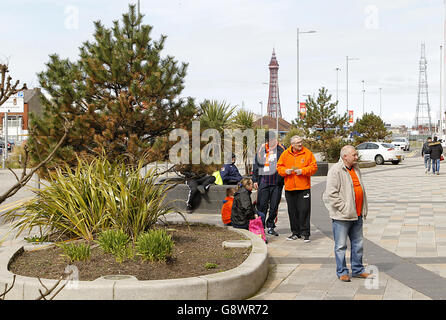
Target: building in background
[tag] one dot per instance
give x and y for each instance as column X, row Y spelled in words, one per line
column 18, row 122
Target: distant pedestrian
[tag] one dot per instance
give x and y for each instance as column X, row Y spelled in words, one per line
column 267, row 181
column 229, row 172
column 346, row 201
column 436, row 151
column 227, row 206
column 426, row 154
column 297, row 164
column 242, row 209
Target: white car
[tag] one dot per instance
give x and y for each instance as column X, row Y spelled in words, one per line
column 379, row 152
column 401, row 142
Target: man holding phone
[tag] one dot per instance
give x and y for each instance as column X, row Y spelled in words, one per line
column 297, row 164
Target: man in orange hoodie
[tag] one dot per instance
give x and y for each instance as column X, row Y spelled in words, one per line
column 297, row 164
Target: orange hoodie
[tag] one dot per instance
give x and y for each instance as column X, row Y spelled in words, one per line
column 304, row 160
column 226, row 210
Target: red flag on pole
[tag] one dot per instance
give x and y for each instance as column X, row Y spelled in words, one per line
column 350, row 116
column 303, row 109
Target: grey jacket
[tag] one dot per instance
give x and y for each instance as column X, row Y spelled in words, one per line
column 339, row 195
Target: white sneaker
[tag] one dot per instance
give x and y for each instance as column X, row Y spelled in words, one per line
column 425, row 170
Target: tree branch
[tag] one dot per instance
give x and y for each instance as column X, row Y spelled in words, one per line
column 26, row 177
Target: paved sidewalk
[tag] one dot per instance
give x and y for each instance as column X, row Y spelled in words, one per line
column 405, row 238
column 406, row 227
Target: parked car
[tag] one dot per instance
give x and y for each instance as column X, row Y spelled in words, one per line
column 379, row 152
column 401, row 142
column 10, row 144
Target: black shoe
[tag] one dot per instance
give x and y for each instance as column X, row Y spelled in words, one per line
column 189, row 209
column 293, row 237
column 307, row 239
column 272, row 232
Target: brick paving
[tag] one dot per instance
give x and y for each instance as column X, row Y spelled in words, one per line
column 405, row 238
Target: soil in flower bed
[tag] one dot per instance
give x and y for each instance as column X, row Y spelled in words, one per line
column 194, row 249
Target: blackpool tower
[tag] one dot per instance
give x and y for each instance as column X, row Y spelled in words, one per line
column 273, row 96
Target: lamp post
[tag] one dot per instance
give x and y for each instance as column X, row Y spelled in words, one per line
column 346, row 71
column 441, row 91
column 298, row 98
column 261, row 113
column 337, row 88
column 363, row 98
column 380, row 102
column 261, row 106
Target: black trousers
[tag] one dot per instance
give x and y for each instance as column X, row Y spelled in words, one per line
column 268, row 197
column 193, row 187
column 299, row 210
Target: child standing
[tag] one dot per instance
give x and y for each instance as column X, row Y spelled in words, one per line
column 227, row 206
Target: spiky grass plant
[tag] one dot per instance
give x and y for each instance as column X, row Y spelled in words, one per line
column 154, row 245
column 76, row 252
column 95, row 196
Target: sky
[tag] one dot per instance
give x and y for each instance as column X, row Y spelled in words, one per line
column 228, row 46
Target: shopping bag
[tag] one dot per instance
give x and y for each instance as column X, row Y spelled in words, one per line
column 256, row 227
column 441, row 158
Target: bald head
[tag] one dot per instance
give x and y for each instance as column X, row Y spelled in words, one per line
column 349, row 155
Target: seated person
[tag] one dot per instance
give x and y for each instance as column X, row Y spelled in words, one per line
column 229, row 173
column 227, row 206
column 203, row 181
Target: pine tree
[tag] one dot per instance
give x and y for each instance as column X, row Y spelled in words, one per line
column 120, row 96
column 371, row 128
column 321, row 119
column 323, row 127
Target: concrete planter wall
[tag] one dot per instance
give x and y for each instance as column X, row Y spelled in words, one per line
column 239, row 283
column 212, row 201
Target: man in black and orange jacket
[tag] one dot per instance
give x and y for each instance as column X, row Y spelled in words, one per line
column 297, row 164
column 268, row 183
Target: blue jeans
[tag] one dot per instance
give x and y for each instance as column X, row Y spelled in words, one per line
column 352, row 229
column 435, row 165
column 427, row 162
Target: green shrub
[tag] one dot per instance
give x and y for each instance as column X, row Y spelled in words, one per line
column 116, row 243
column 36, row 239
column 76, row 252
column 210, row 265
column 154, row 245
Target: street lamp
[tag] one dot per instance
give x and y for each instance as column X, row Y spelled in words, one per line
column 298, row 99
column 363, row 97
column 346, row 71
column 441, row 89
column 337, row 87
column 261, row 113
column 380, row 102
column 261, row 108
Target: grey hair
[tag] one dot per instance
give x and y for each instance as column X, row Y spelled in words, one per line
column 296, row 137
column 346, row 149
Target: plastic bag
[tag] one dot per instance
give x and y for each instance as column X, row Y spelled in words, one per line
column 256, row 227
